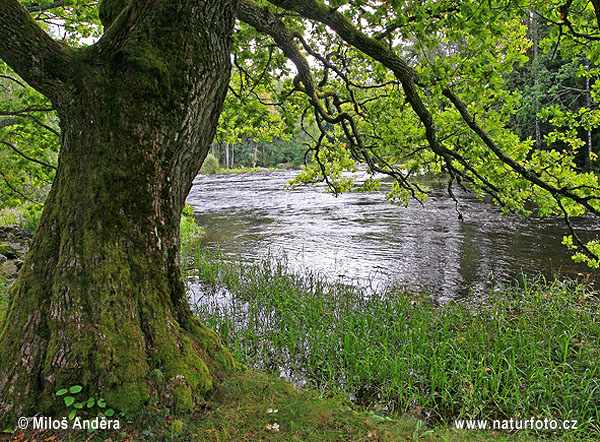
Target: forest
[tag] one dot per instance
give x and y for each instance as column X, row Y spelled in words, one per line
column 311, row 220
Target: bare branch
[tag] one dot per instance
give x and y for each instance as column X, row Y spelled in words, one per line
column 27, row 157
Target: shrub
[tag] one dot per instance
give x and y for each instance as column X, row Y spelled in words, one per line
column 210, row 165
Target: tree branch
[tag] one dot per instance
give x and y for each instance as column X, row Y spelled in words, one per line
column 265, row 22
column 118, row 31
column 322, row 13
column 30, row 52
column 42, row 8
column 514, row 165
column 27, row 157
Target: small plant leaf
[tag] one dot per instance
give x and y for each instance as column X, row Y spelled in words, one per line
column 62, row 391
column 69, row 401
column 91, row 402
column 101, row 403
column 78, row 405
column 110, row 412
column 72, row 414
column 75, row 389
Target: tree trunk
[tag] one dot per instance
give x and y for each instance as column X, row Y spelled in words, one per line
column 99, row 300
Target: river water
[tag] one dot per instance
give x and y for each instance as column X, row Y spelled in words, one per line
column 364, row 240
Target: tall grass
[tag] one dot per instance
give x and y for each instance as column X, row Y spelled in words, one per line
column 10, row 217
column 531, row 351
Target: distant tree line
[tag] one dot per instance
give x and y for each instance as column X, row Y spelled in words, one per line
column 556, row 97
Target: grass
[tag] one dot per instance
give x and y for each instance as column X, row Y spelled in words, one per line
column 525, row 352
column 10, row 217
column 251, row 407
column 243, row 410
column 25, row 217
column 410, row 368
column 189, row 231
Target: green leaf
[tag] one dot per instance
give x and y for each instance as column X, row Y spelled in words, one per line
column 75, row 389
column 101, row 403
column 69, row 401
column 61, row 392
column 91, row 402
column 110, row 412
column 72, row 414
column 78, row 405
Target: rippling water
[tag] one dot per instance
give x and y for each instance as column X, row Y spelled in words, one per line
column 361, row 237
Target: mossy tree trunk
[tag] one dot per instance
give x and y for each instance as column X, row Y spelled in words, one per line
column 99, row 300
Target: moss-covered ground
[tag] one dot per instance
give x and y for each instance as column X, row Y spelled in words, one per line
column 255, row 407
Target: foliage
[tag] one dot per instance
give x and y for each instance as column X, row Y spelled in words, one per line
column 9, row 217
column 210, row 165
column 525, row 351
column 90, row 405
column 27, row 216
column 478, row 54
column 31, row 127
column 189, row 231
column 249, row 151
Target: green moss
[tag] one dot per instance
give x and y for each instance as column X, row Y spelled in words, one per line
column 224, row 358
column 246, row 406
column 183, row 400
column 109, row 10
column 176, row 427
column 130, row 396
column 159, row 378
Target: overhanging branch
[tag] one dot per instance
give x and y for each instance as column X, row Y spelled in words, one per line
column 330, row 17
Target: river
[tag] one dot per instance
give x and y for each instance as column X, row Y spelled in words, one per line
column 363, row 239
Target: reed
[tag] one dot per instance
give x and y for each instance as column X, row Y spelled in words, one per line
column 524, row 351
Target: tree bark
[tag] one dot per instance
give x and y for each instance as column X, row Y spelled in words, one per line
column 99, row 300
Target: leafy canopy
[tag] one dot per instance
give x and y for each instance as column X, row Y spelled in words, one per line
column 404, row 87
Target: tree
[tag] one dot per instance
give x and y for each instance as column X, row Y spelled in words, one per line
column 99, row 300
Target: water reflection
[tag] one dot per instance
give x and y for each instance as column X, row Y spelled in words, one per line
column 361, row 237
